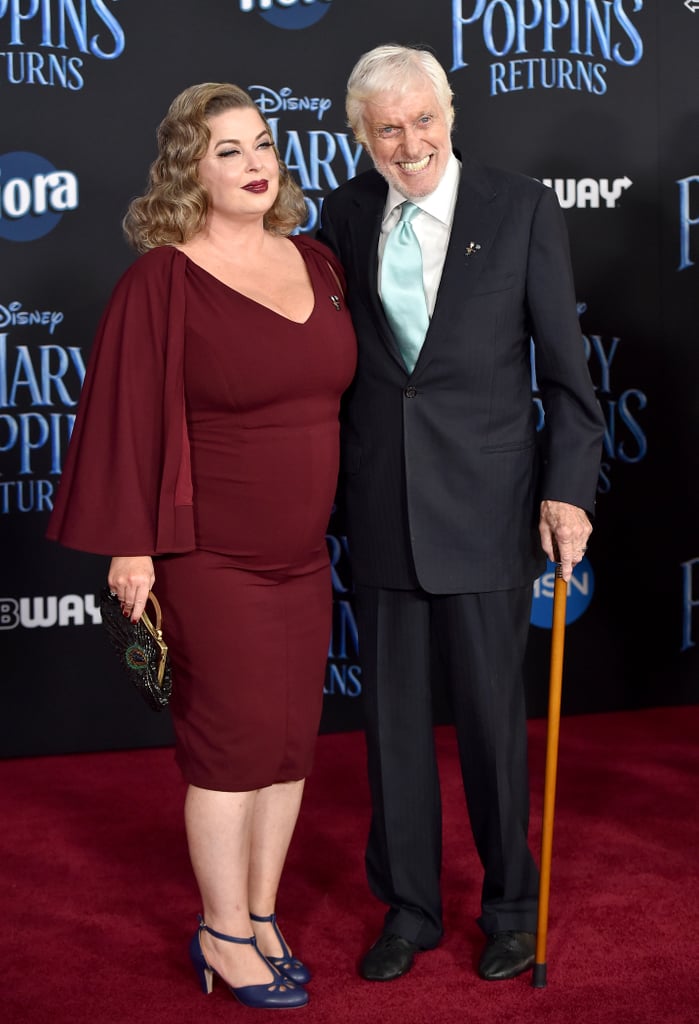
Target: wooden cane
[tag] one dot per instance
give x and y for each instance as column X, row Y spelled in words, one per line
column 560, row 593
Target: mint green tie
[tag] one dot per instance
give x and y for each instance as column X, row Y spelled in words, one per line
column 402, row 290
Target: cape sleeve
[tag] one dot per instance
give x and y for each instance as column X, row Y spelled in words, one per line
column 126, row 484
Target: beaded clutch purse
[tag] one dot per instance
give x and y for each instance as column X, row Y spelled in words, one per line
column 140, row 648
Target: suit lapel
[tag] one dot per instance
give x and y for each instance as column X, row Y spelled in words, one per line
column 477, row 215
column 366, row 227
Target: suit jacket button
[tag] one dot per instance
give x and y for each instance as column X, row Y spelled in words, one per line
column 410, row 392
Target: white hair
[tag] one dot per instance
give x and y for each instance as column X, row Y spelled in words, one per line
column 394, row 68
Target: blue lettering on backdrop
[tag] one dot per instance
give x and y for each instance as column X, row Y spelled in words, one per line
column 625, row 439
column 319, row 159
column 687, row 222
column 592, row 34
column 291, row 14
column 39, row 388
column 91, row 28
column 690, row 601
column 271, row 102
column 343, row 674
column 33, row 196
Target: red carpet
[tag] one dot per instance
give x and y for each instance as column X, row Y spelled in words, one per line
column 98, row 902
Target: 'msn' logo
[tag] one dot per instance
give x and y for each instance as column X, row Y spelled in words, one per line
column 580, row 590
column 33, row 196
column 586, row 192
column 288, row 13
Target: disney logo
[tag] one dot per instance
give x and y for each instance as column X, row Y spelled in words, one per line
column 270, row 102
column 14, row 316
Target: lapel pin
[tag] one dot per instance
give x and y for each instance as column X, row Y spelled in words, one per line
column 335, row 299
column 472, row 248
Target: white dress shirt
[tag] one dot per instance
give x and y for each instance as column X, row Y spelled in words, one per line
column 432, row 227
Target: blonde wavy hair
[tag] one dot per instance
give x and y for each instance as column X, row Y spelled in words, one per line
column 174, row 206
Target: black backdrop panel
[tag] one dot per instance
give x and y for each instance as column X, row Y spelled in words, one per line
column 596, row 97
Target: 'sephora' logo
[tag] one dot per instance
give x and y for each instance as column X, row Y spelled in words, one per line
column 593, row 34
column 34, row 195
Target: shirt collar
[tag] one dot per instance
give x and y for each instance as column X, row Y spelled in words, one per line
column 440, row 203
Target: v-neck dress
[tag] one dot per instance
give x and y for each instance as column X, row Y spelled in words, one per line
column 249, row 611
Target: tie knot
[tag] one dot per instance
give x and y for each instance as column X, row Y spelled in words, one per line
column 407, row 212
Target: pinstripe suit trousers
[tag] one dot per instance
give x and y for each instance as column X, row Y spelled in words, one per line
column 478, row 641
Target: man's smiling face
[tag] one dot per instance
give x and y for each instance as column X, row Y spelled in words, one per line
column 408, row 138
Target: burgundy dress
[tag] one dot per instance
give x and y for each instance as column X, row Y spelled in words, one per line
column 249, row 611
column 246, row 594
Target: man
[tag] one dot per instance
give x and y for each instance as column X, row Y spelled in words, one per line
column 450, row 492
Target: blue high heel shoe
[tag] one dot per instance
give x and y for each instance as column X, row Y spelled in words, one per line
column 286, row 963
column 279, row 993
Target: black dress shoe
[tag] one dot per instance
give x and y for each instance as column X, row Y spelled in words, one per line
column 506, row 955
column 389, row 957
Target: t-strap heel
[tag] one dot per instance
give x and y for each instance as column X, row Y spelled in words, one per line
column 279, row 993
column 286, row 963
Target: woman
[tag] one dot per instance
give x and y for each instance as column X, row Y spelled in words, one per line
column 205, row 455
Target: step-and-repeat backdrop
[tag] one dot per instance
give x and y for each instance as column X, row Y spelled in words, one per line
column 598, row 98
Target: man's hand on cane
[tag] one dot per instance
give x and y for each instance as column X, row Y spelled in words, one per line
column 564, row 530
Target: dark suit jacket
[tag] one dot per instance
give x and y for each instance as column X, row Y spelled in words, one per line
column 444, row 468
